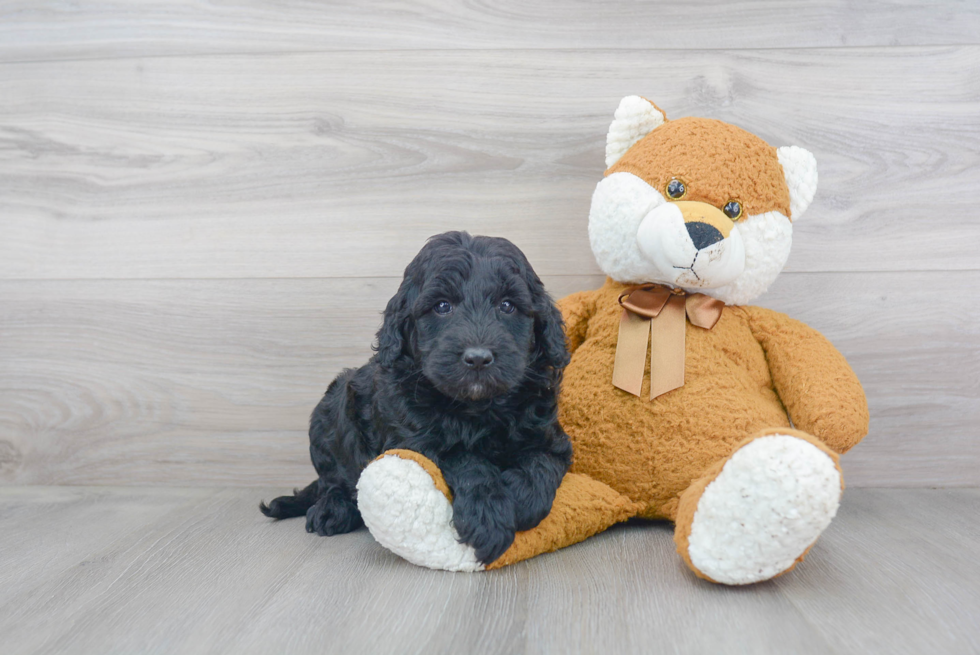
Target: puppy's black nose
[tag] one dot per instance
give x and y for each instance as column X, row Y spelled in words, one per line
column 477, row 357
column 703, row 235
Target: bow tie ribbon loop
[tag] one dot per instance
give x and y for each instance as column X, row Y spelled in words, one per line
column 657, row 312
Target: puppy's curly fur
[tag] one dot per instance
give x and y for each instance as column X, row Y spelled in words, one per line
column 466, row 372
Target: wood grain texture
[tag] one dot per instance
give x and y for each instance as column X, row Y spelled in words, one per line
column 43, row 30
column 46, row 531
column 203, row 205
column 939, row 617
column 896, row 572
column 340, row 164
column 211, row 382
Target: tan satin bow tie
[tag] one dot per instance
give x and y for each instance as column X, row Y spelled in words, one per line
column 658, row 311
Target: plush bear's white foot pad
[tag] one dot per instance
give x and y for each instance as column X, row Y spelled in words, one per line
column 410, row 517
column 770, row 502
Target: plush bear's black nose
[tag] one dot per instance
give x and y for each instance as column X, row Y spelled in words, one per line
column 477, row 357
column 703, row 235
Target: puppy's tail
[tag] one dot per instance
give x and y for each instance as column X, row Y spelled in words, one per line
column 285, row 507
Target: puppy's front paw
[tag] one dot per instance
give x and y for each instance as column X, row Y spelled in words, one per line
column 489, row 542
column 485, row 522
column 531, row 504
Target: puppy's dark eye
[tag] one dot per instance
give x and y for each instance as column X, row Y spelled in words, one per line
column 507, row 307
column 443, row 308
column 733, row 210
column 676, row 189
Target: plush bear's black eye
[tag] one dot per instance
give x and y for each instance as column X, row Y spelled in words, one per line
column 507, row 307
column 733, row 210
column 676, row 189
column 443, row 307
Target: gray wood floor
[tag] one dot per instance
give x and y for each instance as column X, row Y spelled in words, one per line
column 163, row 570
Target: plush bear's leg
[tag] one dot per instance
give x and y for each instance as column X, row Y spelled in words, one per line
column 756, row 513
column 583, row 507
column 407, row 506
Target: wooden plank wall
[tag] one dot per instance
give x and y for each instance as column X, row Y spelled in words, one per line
column 203, row 207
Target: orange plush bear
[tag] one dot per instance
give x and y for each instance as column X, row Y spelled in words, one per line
column 682, row 402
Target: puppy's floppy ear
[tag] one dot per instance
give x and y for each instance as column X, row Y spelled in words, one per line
column 395, row 335
column 550, row 353
column 549, row 329
column 391, row 338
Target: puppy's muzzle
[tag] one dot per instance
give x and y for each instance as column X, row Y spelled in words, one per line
column 477, row 358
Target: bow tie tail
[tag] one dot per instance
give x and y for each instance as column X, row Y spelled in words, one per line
column 631, row 352
column 667, row 339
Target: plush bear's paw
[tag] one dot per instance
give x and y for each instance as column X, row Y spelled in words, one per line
column 772, row 499
column 407, row 514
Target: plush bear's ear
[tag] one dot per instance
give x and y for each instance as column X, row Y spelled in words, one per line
column 800, row 171
column 635, row 118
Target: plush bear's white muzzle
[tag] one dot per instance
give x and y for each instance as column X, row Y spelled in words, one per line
column 664, row 238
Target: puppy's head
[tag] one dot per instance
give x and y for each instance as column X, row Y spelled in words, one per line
column 473, row 318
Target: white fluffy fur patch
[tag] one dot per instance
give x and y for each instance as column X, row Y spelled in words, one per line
column 619, row 204
column 664, row 240
column 622, row 203
column 634, row 119
column 770, row 502
column 800, row 170
column 410, row 517
column 767, row 239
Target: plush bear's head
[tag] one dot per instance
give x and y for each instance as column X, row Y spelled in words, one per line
column 696, row 203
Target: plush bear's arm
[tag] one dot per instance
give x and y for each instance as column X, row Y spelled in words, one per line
column 820, row 391
column 576, row 310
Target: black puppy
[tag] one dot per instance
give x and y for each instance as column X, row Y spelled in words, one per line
column 466, row 372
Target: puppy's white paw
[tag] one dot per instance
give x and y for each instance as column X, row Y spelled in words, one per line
column 409, row 516
column 770, row 502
